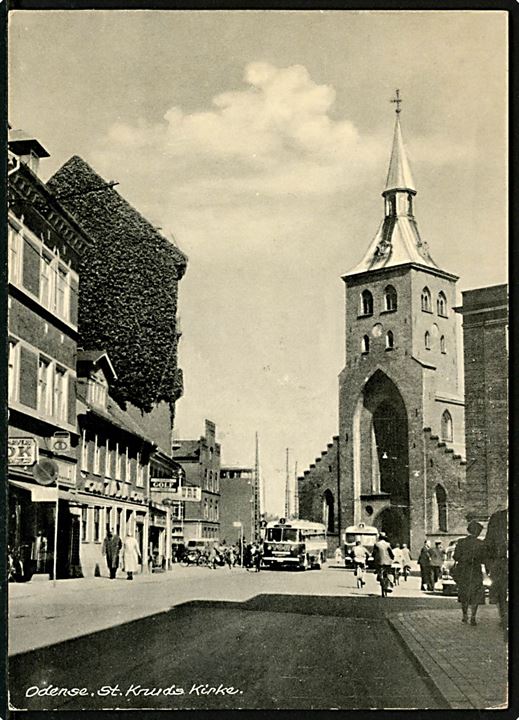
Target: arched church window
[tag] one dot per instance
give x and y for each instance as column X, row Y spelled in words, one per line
column 443, row 346
column 441, row 305
column 426, row 300
column 365, row 344
column 329, row 511
column 410, row 204
column 447, row 426
column 440, row 497
column 366, row 303
column 390, row 340
column 427, row 340
column 390, row 298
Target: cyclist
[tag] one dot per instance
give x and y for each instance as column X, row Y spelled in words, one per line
column 383, row 558
column 359, row 555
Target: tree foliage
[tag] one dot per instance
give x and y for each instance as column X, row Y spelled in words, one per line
column 128, row 288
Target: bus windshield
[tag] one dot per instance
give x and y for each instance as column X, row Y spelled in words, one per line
column 365, row 538
column 278, row 534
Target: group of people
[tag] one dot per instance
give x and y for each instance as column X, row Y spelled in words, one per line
column 116, row 551
column 252, row 556
column 430, row 561
column 393, row 561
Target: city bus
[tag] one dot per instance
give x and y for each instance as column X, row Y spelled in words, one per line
column 367, row 534
column 299, row 543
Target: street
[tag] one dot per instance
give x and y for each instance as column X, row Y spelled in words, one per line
column 196, row 638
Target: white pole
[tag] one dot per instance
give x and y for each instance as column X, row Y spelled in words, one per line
column 54, row 563
column 241, row 544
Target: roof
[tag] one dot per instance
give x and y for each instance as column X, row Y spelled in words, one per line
column 94, row 357
column 112, row 414
column 399, row 175
column 23, row 143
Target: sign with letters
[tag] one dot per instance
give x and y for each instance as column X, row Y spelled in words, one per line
column 22, row 451
column 163, row 483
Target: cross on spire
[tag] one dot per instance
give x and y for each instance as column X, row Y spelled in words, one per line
column 398, row 100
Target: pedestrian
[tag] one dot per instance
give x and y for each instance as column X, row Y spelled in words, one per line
column 396, row 565
column 406, row 560
column 382, row 559
column 468, row 556
column 211, row 557
column 437, row 558
column 496, row 563
column 257, row 557
column 112, row 545
column 247, row 556
column 131, row 555
column 338, row 556
column 359, row 555
column 424, row 561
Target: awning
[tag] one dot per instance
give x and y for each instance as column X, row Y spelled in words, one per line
column 42, row 493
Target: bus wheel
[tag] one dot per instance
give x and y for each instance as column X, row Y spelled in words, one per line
column 319, row 562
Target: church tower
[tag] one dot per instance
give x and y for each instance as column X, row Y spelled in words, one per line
column 401, row 420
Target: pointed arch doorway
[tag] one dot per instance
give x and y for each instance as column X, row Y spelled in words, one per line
column 381, row 457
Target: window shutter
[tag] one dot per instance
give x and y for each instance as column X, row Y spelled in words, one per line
column 31, row 267
column 74, row 290
column 28, row 377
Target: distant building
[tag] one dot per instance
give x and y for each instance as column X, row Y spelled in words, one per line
column 45, row 245
column 200, row 460
column 236, row 503
column 485, row 340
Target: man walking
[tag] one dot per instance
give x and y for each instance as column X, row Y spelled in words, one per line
column 359, row 555
column 383, row 557
column 424, row 561
column 112, row 545
column 437, row 558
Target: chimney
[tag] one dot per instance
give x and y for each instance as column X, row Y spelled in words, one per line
column 28, row 149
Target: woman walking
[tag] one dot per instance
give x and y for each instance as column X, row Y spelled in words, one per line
column 468, row 555
column 131, row 555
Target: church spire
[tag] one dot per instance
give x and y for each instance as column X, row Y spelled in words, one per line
column 399, row 175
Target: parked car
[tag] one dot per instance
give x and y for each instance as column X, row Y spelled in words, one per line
column 449, row 586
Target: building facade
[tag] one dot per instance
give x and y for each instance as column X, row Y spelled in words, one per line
column 114, row 467
column 318, row 492
column 237, row 504
column 401, row 414
column 45, row 245
column 200, row 460
column 485, row 346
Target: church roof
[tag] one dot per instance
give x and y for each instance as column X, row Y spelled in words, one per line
column 399, row 175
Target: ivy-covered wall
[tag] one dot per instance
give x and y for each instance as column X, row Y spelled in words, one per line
column 128, row 288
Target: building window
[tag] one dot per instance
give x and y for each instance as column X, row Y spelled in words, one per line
column 13, row 372
column 427, row 341
column 443, row 347
column 108, row 459
column 14, row 254
column 46, row 280
column 447, row 427
column 426, row 300
column 390, row 298
column 84, row 523
column 366, row 303
column 127, row 466
column 84, row 452
column 440, row 497
column 140, row 472
column 44, row 387
column 390, row 341
column 60, row 394
column 365, row 345
column 62, row 292
column 410, row 204
column 97, row 524
column 206, row 509
column 217, row 511
column 117, row 462
column 97, row 456
column 441, row 304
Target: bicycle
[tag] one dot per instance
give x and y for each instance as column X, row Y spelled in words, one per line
column 360, row 574
column 383, row 578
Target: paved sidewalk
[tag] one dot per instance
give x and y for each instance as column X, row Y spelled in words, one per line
column 467, row 664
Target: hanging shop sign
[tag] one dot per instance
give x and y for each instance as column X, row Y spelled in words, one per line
column 22, row 451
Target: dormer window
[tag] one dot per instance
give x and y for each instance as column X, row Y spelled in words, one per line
column 366, row 303
column 97, row 392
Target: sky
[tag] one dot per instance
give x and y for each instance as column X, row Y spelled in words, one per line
column 260, row 142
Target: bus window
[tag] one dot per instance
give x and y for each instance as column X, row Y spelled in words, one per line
column 274, row 534
column 289, row 534
column 350, row 537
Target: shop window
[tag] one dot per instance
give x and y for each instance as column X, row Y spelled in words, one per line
column 84, row 523
column 365, row 345
column 97, row 524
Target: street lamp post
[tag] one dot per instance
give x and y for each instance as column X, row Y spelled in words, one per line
column 238, row 523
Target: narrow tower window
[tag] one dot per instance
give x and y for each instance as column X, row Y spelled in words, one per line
column 390, row 341
column 442, row 305
column 365, row 344
column 443, row 347
column 366, row 303
column 426, row 300
column 427, row 341
column 410, row 204
column 390, row 298
column 440, row 497
column 446, row 427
